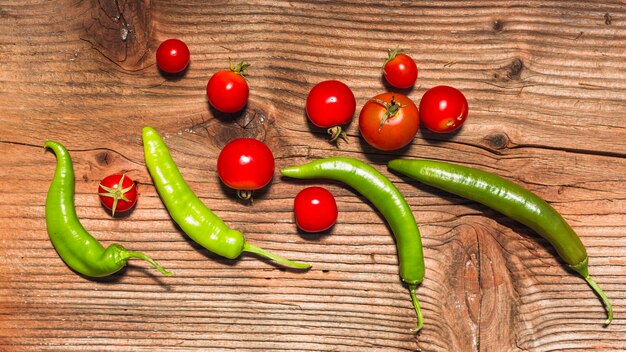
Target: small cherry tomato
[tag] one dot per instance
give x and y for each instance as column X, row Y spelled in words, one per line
column 389, row 121
column 331, row 104
column 118, row 193
column 400, row 69
column 443, row 109
column 172, row 56
column 246, row 165
column 228, row 90
column 315, row 209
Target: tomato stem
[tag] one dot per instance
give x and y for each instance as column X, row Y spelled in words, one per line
column 239, row 68
column 116, row 193
column 336, row 133
column 247, row 247
column 245, row 194
column 391, row 55
column 392, row 109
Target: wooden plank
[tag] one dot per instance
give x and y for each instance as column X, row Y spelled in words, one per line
column 546, row 84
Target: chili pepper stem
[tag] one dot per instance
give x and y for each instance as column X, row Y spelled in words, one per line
column 607, row 304
column 247, row 247
column 418, row 309
column 139, row 255
column 582, row 268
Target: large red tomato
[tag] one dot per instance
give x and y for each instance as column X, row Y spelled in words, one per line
column 389, row 121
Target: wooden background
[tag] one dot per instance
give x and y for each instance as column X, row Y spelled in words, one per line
column 546, row 85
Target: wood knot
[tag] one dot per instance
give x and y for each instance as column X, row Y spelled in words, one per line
column 514, row 70
column 498, row 25
column 497, row 141
column 608, row 19
column 120, row 31
column 104, row 158
column 249, row 123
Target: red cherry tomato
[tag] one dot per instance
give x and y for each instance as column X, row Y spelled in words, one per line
column 315, row 209
column 443, row 109
column 228, row 90
column 245, row 164
column 172, row 56
column 400, row 70
column 118, row 193
column 389, row 121
column 331, row 104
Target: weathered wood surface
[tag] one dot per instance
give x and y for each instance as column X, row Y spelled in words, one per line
column 546, row 84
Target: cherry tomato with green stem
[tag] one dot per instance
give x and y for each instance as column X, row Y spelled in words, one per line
column 399, row 69
column 246, row 165
column 227, row 90
column 443, row 109
column 331, row 104
column 315, row 209
column 172, row 56
column 389, row 121
column 118, row 193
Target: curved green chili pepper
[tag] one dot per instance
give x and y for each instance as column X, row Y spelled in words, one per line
column 387, row 199
column 79, row 249
column 511, row 200
column 193, row 217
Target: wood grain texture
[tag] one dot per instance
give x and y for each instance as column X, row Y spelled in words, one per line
column 546, row 84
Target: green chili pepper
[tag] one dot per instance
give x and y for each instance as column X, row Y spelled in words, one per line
column 387, row 199
column 79, row 249
column 193, row 217
column 511, row 200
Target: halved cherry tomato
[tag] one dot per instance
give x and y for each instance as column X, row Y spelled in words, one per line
column 228, row 90
column 389, row 121
column 315, row 209
column 118, row 193
column 172, row 56
column 399, row 69
column 443, row 109
column 246, row 165
column 331, row 104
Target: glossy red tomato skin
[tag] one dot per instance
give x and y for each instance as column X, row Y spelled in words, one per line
column 315, row 209
column 112, row 181
column 397, row 131
column 172, row 56
column 401, row 71
column 227, row 91
column 330, row 103
column 245, row 164
column 443, row 109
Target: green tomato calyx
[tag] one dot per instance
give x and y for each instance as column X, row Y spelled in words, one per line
column 116, row 193
column 392, row 107
column 336, row 133
column 391, row 54
column 239, row 68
